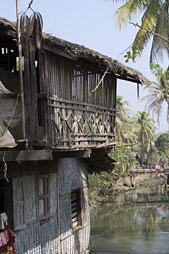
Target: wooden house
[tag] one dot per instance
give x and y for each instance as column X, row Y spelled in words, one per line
column 69, row 129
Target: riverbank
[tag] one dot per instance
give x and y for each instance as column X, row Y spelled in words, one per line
column 106, row 188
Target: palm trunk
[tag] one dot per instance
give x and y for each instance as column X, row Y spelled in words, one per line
column 142, row 150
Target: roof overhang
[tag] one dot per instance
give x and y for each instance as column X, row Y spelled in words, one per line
column 77, row 52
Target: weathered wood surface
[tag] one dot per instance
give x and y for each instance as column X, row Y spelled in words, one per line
column 59, row 103
column 77, row 117
column 26, row 155
column 7, row 96
column 86, row 153
column 54, row 234
column 80, row 125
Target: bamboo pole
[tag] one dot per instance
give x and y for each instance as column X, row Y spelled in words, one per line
column 20, row 70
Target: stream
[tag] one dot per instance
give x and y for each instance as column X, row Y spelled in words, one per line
column 139, row 225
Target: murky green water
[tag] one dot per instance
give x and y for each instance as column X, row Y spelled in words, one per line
column 141, row 225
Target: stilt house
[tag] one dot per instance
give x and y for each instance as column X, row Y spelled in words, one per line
column 69, row 130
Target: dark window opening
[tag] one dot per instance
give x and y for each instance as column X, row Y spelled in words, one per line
column 8, row 59
column 6, row 202
column 75, row 208
column 8, row 64
column 2, row 207
column 168, row 180
column 39, row 112
column 77, row 86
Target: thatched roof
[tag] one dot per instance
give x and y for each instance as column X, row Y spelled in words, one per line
column 6, row 25
column 77, row 52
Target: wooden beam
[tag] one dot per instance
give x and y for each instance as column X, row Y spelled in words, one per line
column 8, row 33
column 80, row 104
column 128, row 79
column 56, row 50
column 33, row 155
column 72, row 154
column 8, row 96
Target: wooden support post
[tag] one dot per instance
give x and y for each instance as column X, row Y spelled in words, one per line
column 20, row 69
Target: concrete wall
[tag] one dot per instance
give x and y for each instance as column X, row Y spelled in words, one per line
column 143, row 178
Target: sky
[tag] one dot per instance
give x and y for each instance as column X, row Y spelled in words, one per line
column 92, row 23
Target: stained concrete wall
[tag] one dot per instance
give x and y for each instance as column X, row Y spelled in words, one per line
column 143, row 178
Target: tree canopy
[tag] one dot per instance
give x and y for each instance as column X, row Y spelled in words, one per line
column 158, row 92
column 154, row 25
column 162, row 144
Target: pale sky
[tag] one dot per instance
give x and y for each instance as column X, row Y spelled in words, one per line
column 91, row 23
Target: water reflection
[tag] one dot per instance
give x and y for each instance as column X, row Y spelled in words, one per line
column 132, row 228
column 146, row 194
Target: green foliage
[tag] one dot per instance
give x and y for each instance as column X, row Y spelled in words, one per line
column 137, row 146
column 17, row 64
column 102, row 183
column 162, row 142
column 145, row 131
column 142, row 129
column 133, row 53
column 122, row 112
column 123, row 155
column 156, row 67
column 122, row 128
column 154, row 25
column 158, row 92
column 162, row 145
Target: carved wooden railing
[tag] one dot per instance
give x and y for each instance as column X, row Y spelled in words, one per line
column 75, row 125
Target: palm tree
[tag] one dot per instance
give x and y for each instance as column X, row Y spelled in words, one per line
column 154, row 24
column 158, row 93
column 121, row 118
column 145, row 131
column 123, row 133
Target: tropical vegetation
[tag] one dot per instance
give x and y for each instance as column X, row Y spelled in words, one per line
column 145, row 133
column 158, row 92
column 145, row 149
column 162, row 144
column 153, row 28
column 138, row 145
column 123, row 112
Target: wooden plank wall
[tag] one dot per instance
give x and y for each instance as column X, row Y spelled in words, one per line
column 74, row 172
column 34, row 236
column 74, row 109
column 67, row 81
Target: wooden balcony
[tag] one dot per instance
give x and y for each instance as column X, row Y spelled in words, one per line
column 75, row 125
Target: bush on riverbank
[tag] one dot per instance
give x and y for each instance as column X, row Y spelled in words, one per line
column 103, row 187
